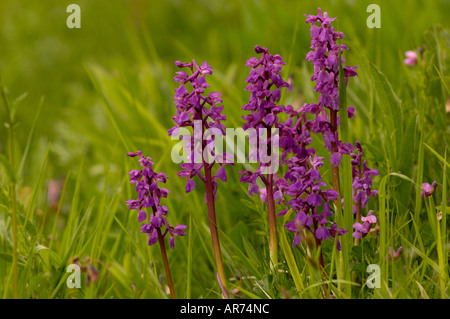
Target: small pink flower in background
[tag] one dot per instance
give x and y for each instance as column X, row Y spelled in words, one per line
column 427, row 189
column 394, row 254
column 361, row 230
column 411, row 58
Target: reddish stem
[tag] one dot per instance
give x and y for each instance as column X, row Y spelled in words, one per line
column 212, row 215
column 162, row 246
column 166, row 264
column 213, row 228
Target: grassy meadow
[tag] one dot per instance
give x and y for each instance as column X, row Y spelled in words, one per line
column 75, row 101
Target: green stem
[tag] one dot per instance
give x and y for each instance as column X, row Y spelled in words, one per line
column 12, row 193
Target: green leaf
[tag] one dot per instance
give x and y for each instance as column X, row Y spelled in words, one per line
column 293, row 269
column 248, row 262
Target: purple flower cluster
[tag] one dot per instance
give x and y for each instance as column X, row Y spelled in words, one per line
column 302, row 183
column 149, row 196
column 302, row 188
column 264, row 84
column 325, row 58
column 361, row 230
column 192, row 110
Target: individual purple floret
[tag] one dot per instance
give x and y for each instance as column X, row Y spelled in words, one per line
column 149, row 196
column 361, row 231
column 427, row 189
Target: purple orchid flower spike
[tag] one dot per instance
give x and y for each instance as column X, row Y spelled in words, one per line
column 192, row 110
column 149, row 197
column 302, row 189
column 264, row 84
column 325, row 59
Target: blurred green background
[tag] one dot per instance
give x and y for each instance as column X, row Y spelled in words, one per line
column 108, row 90
column 40, row 56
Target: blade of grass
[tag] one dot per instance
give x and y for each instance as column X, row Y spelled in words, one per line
column 70, row 225
column 439, row 157
column 124, row 139
column 441, row 239
column 291, row 260
column 30, row 138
